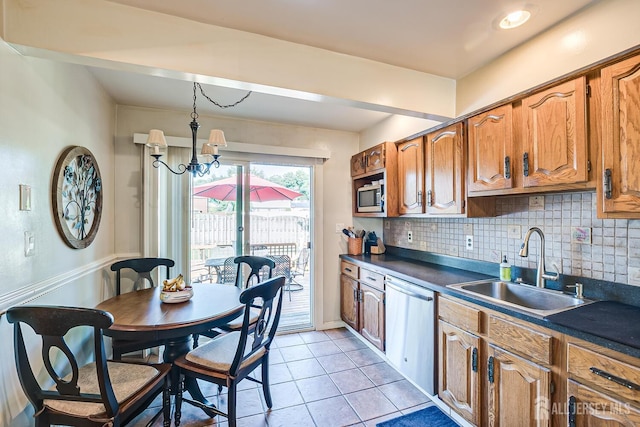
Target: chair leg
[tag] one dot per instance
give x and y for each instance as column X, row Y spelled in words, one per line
column 231, row 404
column 265, row 381
column 179, row 389
column 166, row 404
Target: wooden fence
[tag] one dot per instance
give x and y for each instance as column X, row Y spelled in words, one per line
column 215, row 230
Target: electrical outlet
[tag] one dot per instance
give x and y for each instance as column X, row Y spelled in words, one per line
column 514, row 232
column 468, row 240
column 410, row 236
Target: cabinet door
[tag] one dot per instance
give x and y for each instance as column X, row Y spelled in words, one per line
column 519, row 391
column 374, row 158
column 357, row 164
column 372, row 315
column 589, row 408
column 349, row 301
column 555, row 135
column 619, row 188
column 458, row 383
column 444, row 171
column 491, row 150
column 410, row 176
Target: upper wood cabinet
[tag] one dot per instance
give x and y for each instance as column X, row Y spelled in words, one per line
column 444, row 172
column 491, row 152
column 411, row 176
column 555, row 135
column 619, row 186
column 369, row 161
column 379, row 163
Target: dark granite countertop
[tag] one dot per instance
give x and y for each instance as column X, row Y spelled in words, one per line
column 610, row 324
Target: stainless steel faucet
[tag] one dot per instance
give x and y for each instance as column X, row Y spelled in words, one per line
column 541, row 274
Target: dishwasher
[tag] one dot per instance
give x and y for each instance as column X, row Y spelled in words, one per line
column 410, row 331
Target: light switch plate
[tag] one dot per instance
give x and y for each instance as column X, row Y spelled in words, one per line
column 29, row 244
column 514, row 232
column 433, row 227
column 467, row 229
column 25, row 197
column 387, row 225
column 339, row 227
column 581, row 235
column 423, row 246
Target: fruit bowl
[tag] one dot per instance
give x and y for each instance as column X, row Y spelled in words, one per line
column 176, row 296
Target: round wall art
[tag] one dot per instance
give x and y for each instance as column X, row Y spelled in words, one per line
column 77, row 196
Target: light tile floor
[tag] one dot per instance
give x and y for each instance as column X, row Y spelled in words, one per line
column 318, row 379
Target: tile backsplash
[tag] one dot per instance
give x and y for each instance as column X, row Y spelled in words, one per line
column 577, row 242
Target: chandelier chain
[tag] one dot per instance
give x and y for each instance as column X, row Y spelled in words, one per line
column 216, row 103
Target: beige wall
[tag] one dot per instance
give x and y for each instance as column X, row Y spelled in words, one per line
column 333, row 200
column 44, row 107
column 600, row 31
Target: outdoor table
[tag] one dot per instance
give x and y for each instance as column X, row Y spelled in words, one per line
column 218, row 265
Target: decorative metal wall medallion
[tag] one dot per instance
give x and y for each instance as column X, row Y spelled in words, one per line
column 76, row 194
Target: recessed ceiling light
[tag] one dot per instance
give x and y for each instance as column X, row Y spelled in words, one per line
column 514, row 19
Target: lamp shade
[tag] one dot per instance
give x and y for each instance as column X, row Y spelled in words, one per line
column 216, row 137
column 156, row 138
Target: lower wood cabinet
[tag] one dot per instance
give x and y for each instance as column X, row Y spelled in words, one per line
column 459, row 383
column 496, row 370
column 362, row 302
column 519, row 392
column 372, row 315
column 486, row 383
column 349, row 301
column 588, row 407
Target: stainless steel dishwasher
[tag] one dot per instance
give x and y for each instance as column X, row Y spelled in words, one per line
column 410, row 331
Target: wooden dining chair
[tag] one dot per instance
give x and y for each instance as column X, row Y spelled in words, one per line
column 98, row 393
column 143, row 267
column 230, row 358
column 256, row 269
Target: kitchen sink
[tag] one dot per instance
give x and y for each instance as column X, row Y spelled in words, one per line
column 534, row 300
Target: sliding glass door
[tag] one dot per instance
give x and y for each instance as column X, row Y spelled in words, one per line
column 256, row 209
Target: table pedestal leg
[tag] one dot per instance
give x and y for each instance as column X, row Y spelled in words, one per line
column 173, row 349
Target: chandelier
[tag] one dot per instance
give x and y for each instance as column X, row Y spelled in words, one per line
column 157, row 142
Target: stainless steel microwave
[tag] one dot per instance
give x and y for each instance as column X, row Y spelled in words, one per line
column 371, row 198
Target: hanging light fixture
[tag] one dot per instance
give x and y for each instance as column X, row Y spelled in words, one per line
column 157, row 142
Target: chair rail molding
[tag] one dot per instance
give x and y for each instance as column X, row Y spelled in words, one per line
column 36, row 290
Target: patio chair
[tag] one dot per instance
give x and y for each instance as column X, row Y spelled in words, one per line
column 299, row 268
column 230, row 358
column 98, row 393
column 283, row 267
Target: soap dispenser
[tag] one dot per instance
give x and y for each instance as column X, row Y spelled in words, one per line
column 505, row 270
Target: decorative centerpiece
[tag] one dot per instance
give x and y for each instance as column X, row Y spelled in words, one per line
column 176, row 290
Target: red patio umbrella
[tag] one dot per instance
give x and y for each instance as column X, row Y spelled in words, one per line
column 260, row 190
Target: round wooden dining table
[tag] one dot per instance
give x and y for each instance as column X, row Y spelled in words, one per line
column 140, row 315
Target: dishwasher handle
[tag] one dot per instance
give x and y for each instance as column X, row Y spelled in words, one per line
column 409, row 288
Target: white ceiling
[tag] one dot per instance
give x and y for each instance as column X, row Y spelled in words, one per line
column 449, row 38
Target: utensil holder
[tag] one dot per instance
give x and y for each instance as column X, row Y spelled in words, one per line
column 354, row 246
